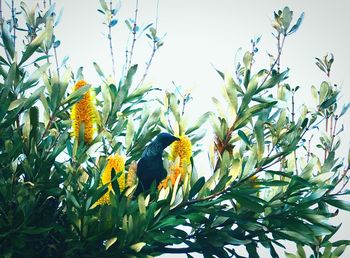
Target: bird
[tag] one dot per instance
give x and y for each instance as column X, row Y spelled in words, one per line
column 150, row 167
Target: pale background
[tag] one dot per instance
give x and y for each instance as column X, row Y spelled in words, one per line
column 205, row 32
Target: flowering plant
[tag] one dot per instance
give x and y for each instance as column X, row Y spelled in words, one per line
column 69, row 152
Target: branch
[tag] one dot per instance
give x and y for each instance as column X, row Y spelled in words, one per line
column 14, row 23
column 276, row 61
column 177, row 250
column 110, row 42
column 1, row 19
column 134, row 34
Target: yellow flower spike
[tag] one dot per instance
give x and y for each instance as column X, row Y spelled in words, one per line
column 132, row 176
column 175, row 171
column 182, row 149
column 116, row 163
column 84, row 111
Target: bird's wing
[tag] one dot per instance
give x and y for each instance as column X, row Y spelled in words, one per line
column 150, row 169
column 153, row 149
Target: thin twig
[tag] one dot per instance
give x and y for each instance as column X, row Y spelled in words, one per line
column 110, row 42
column 134, row 34
column 47, row 127
column 56, row 61
column 148, row 65
column 14, row 23
column 154, row 50
column 293, row 106
column 1, row 19
column 275, row 63
column 309, row 149
column 325, row 151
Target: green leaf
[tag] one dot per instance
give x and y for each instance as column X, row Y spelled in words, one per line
column 110, row 242
column 308, row 170
column 230, row 87
column 76, row 95
column 249, row 203
column 274, row 183
column 344, row 205
column 7, row 40
column 124, row 89
column 129, row 133
column 274, row 80
column 138, row 92
column 338, row 251
column 107, row 102
column 324, row 88
column 297, row 24
column 200, row 122
column 33, row 97
column 251, row 162
column 260, row 141
column 98, row 70
column 329, row 102
column 296, row 236
column 244, row 137
column 301, row 251
column 36, row 230
column 287, row 16
column 290, row 255
column 196, row 187
column 103, row 5
column 16, row 103
column 33, row 46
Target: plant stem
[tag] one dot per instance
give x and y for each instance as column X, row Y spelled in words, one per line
column 309, row 148
column 276, row 61
column 325, row 151
column 47, row 127
column 148, row 65
column 134, row 34
column 154, row 50
column 110, row 42
column 1, row 19
column 14, row 23
column 180, row 250
column 56, row 61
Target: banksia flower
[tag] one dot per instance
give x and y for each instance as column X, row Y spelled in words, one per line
column 84, row 112
column 117, row 164
column 132, row 176
column 182, row 149
column 175, row 171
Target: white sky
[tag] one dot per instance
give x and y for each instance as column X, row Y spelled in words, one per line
column 205, row 32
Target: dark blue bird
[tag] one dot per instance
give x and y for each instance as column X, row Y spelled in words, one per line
column 150, row 167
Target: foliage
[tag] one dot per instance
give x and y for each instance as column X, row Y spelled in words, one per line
column 268, row 184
